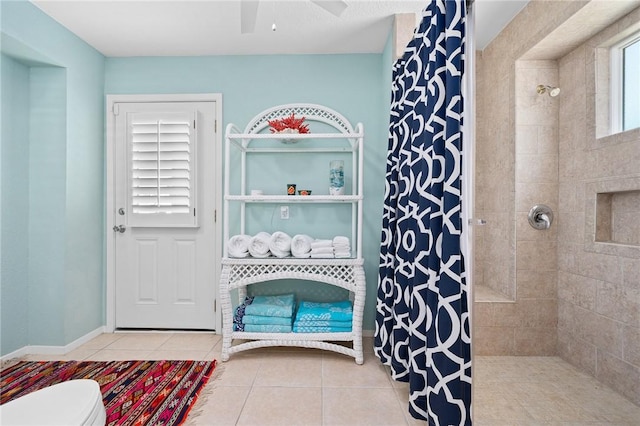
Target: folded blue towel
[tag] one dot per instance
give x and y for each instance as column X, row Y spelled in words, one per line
column 324, row 311
column 257, row 319
column 240, row 310
column 272, row 306
column 298, row 329
column 262, row 328
column 328, row 323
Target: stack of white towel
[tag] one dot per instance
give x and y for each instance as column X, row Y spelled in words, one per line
column 341, row 247
column 281, row 245
column 322, row 249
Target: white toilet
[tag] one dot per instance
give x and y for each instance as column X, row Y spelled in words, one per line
column 71, row 403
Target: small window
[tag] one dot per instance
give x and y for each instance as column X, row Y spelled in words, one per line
column 162, row 169
column 625, row 84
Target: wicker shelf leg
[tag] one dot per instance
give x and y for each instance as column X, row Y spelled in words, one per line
column 358, row 311
column 227, row 315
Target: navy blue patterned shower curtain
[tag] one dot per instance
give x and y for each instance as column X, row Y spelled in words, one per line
column 422, row 318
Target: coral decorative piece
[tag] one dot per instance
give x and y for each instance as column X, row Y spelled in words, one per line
column 289, row 124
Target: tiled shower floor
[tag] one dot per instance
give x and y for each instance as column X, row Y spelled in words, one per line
column 289, row 386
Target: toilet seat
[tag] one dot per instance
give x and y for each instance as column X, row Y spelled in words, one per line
column 71, row 403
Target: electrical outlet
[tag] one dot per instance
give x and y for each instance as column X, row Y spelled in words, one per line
column 284, row 212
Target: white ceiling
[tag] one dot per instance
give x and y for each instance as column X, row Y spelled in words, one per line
column 121, row 28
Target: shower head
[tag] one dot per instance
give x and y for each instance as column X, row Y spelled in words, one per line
column 552, row 91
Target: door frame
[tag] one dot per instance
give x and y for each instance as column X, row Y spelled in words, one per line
column 110, row 172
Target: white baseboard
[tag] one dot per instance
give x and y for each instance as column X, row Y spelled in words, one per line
column 54, row 350
column 15, row 354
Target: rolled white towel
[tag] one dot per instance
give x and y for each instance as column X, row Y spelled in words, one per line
column 301, row 245
column 280, row 244
column 321, row 243
column 239, row 245
column 259, row 244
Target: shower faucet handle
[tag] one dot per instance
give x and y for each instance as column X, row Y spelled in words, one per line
column 540, row 217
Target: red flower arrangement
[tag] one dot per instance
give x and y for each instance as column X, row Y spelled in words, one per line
column 289, row 124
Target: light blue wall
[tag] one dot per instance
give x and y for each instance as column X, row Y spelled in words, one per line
column 64, row 198
column 47, row 178
column 15, row 205
column 350, row 84
column 59, row 251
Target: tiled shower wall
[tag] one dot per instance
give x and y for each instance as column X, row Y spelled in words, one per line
column 516, row 167
column 528, row 324
column 598, row 283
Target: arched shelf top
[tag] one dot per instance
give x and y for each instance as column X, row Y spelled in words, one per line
column 311, row 112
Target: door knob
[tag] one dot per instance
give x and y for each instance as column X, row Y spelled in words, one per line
column 119, row 228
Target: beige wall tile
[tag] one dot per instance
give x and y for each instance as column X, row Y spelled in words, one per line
column 505, row 314
column 530, row 194
column 631, row 273
column 567, row 318
column 619, row 302
column 570, row 227
column 578, row 290
column 497, row 276
column 541, row 255
column 570, row 196
column 536, row 168
column 493, row 341
column 527, row 137
column 600, row 266
column 535, row 283
column 631, row 345
column 619, row 375
column 625, row 211
column 579, row 353
column 525, row 232
column 600, row 331
column 483, row 314
column 547, row 140
column 568, row 254
column 620, row 160
column 538, row 313
column 536, row 341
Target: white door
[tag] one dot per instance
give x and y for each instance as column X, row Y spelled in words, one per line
column 164, row 206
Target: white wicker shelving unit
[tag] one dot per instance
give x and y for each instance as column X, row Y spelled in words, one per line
column 344, row 273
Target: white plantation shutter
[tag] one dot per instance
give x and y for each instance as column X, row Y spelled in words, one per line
column 162, row 152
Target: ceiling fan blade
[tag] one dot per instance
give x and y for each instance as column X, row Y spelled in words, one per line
column 335, row 7
column 248, row 15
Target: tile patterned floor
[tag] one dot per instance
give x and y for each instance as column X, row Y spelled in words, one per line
column 290, row 386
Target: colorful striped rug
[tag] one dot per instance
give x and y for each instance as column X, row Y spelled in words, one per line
column 133, row 392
